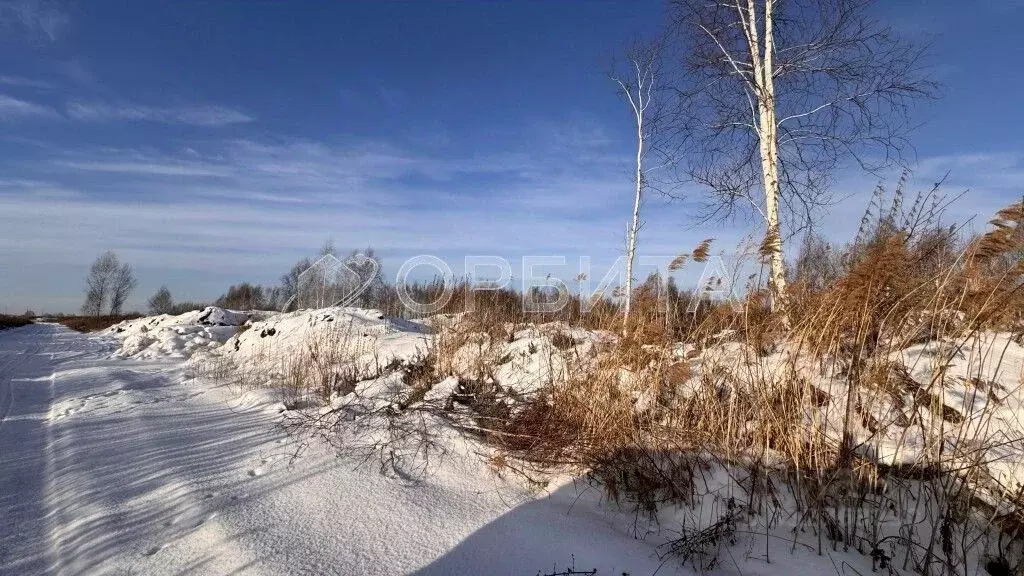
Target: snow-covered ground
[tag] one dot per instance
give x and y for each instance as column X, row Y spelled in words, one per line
column 122, row 453
column 125, row 466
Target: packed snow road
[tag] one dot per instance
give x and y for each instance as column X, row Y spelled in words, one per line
column 105, row 463
column 114, row 466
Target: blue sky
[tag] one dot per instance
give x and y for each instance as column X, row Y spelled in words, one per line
column 214, row 142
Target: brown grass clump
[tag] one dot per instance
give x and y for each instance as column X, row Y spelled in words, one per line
column 575, row 424
column 93, row 323
column 7, row 321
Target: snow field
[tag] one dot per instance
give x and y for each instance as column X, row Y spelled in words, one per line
column 963, row 409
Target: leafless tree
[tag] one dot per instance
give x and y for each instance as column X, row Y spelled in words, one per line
column 817, row 263
column 291, row 282
column 161, row 302
column 109, row 281
column 637, row 81
column 774, row 95
column 244, row 296
column 123, row 285
column 93, row 299
column 364, row 282
column 329, row 248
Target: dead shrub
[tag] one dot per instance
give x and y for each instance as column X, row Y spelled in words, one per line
column 703, row 544
column 648, row 478
column 562, row 341
column 419, row 375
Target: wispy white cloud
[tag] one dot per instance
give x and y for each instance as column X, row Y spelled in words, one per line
column 24, row 82
column 37, row 189
column 981, row 182
column 192, row 115
column 14, row 109
column 35, row 20
column 285, row 194
column 209, row 243
column 143, row 168
column 371, row 174
column 224, row 211
column 576, row 133
column 218, row 212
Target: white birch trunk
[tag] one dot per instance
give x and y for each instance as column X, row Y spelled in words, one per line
column 768, row 139
column 635, row 224
column 770, row 166
column 645, row 81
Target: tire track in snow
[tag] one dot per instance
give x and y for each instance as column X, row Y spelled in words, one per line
column 24, row 407
column 140, row 475
column 140, row 469
column 7, row 371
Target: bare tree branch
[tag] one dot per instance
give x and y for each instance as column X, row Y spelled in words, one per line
column 773, row 97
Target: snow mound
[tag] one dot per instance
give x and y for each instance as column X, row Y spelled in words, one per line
column 175, row 336
column 528, row 359
column 274, row 343
column 364, row 340
column 213, row 316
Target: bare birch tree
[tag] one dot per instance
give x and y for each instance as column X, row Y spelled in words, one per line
column 108, row 281
column 98, row 283
column 122, row 286
column 291, row 282
column 776, row 94
column 637, row 81
column 364, row 284
column 93, row 300
column 162, row 302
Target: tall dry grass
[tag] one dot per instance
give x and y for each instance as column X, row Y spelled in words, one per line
column 827, row 408
column 871, row 422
